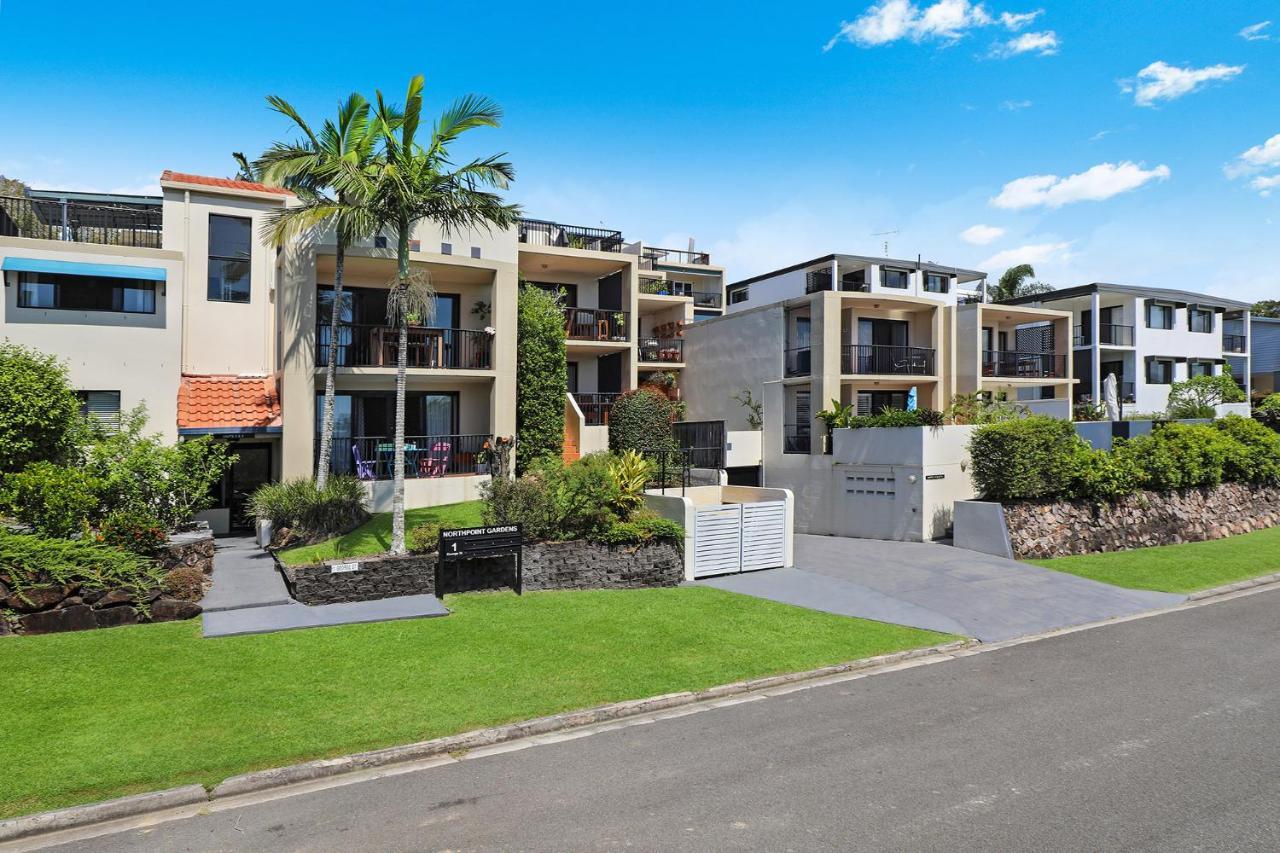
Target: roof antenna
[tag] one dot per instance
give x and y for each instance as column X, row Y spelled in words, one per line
column 886, row 242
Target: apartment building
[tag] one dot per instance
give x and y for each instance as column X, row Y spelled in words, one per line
column 1149, row 338
column 1264, row 355
column 178, row 302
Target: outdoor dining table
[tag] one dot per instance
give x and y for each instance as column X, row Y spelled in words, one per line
column 426, row 346
column 386, row 459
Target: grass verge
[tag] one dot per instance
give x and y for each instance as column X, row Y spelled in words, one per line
column 101, row 714
column 1182, row 568
column 374, row 536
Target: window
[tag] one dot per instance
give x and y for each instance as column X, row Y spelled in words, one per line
column 875, row 402
column 86, row 293
column 230, row 256
column 738, row 296
column 475, row 251
column 1159, row 316
column 446, row 248
column 890, row 277
column 1199, row 368
column 936, row 282
column 1200, row 319
column 101, row 407
column 1159, row 371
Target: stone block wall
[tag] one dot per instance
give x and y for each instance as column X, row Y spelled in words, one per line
column 1062, row 528
column 188, row 549
column 547, row 565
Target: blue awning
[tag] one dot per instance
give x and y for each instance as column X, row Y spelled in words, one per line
column 73, row 268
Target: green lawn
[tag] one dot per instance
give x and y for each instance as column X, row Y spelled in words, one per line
column 1180, row 568
column 374, row 536
column 99, row 714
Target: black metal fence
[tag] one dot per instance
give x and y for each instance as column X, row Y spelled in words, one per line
column 708, row 299
column 1024, row 365
column 372, row 457
column 540, row 232
column 81, row 222
column 594, row 324
column 368, row 345
column 796, row 438
column 595, row 406
column 671, row 468
column 661, row 350
column 703, row 441
column 884, row 359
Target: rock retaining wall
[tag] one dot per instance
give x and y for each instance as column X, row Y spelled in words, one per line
column 1063, row 528
column 547, row 565
column 188, row 549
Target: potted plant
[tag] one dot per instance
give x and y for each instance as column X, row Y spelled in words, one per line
column 619, row 326
column 484, row 458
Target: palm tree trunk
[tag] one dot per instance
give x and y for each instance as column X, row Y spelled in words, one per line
column 331, row 369
column 402, row 369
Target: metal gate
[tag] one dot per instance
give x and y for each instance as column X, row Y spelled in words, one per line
column 739, row 538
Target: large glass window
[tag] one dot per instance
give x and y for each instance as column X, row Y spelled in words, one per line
column 440, row 414
column 1200, row 320
column 890, row 277
column 230, row 258
column 1159, row 316
column 936, row 282
column 736, row 297
column 1199, row 368
column 86, row 293
column 1159, row 371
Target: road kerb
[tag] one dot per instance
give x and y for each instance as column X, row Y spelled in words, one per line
column 75, row 816
column 1235, row 587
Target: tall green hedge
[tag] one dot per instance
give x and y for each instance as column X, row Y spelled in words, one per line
column 1028, row 458
column 39, row 411
column 641, row 420
column 541, row 378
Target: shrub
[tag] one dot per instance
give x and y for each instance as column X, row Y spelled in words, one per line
column 1029, row 458
column 1099, row 475
column 1267, row 412
column 53, row 500
column 642, row 528
column 541, row 378
column 1176, row 456
column 132, row 529
column 631, row 472
column 39, row 412
column 1196, row 397
column 184, row 583
column 584, row 497
column 31, row 560
column 425, row 538
column 1088, row 412
column 310, row 513
column 1256, row 457
column 641, row 420
column 982, row 408
column 524, row 500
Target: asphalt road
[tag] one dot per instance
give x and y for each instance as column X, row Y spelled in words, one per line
column 1156, row 734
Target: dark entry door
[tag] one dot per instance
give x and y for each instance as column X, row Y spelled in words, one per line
column 252, row 469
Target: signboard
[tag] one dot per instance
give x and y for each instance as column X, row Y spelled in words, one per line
column 935, row 476
column 504, row 540
column 338, row 568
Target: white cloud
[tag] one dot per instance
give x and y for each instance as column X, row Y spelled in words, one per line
column 1042, row 44
column 1096, row 184
column 1033, row 253
column 1254, row 32
column 945, row 21
column 1014, row 106
column 981, row 235
column 1259, row 158
column 1161, row 81
column 1100, row 135
column 1264, row 184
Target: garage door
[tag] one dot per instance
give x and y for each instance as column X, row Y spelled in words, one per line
column 871, row 505
column 739, row 537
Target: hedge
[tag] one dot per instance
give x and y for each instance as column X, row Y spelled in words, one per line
column 541, row 378
column 641, row 420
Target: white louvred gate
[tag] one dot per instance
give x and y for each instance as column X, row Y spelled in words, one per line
column 735, row 538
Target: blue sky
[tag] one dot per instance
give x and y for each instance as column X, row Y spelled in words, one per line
column 1100, row 141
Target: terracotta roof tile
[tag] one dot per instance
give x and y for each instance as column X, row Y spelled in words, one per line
column 225, row 183
column 209, row 402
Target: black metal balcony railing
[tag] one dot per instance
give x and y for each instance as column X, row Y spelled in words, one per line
column 702, row 441
column 797, row 361
column 878, row 358
column 1109, row 334
column 1234, row 343
column 816, row 280
column 1024, row 365
column 654, row 256
column 365, row 345
column 595, row 406
column 661, row 350
column 708, row 299
column 540, row 232
column 80, row 222
column 372, row 457
column 657, row 287
column 594, row 324
column 796, row 439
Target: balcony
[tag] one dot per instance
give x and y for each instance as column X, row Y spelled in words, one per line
column 539, row 232
column 373, row 457
column 1024, row 365
column 1234, row 343
column 593, row 324
column 887, row 360
column 595, row 406
column 659, row 350
column 1109, row 334
column 797, row 361
column 816, row 280
column 662, row 287
column 80, row 222
column 364, row 345
column 707, row 299
column 796, row 438
column 653, row 257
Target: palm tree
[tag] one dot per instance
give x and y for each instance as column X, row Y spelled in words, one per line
column 418, row 182
column 1015, row 282
column 333, row 172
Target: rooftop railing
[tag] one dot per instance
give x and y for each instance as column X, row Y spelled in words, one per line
column 81, row 222
column 540, row 232
column 653, row 255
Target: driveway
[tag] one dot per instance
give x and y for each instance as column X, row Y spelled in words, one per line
column 939, row 587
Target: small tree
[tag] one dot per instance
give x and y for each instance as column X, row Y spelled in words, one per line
column 39, row 411
column 1196, row 397
column 754, row 407
column 541, row 378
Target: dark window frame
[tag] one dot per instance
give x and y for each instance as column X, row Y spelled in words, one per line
column 946, row 282
column 1164, row 307
column 1164, row 363
column 739, row 295
column 906, row 278
column 1193, row 313
column 224, row 259
column 58, row 280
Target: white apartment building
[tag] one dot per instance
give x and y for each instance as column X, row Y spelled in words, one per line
column 177, row 302
column 1149, row 338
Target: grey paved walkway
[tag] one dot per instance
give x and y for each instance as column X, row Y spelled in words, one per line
column 938, row 587
column 249, row 597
